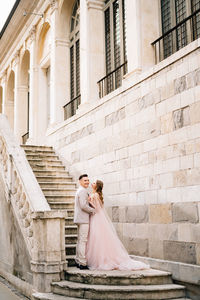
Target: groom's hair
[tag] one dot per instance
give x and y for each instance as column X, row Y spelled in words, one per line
column 83, row 175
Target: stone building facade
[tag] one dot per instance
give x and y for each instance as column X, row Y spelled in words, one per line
column 87, row 78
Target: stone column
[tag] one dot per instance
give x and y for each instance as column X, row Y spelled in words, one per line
column 48, row 254
column 59, row 82
column 133, row 31
column 20, row 103
column 142, row 25
column 91, row 48
column 3, row 84
column 33, row 88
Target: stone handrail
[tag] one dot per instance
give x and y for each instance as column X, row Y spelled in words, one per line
column 21, row 187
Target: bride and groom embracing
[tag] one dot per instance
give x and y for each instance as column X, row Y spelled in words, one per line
column 98, row 246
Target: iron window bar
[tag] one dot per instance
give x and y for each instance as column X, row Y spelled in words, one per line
column 112, row 80
column 71, row 107
column 159, row 55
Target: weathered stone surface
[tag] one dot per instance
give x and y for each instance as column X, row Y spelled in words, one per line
column 115, row 116
column 156, row 248
column 198, row 253
column 180, row 251
column 137, row 214
column 185, row 212
column 197, row 77
column 179, row 178
column 81, row 133
column 181, row 117
column 115, row 214
column 149, row 99
column 166, row 123
column 195, row 113
column 137, row 246
column 180, row 84
column 122, row 214
column 160, row 213
column 75, row 156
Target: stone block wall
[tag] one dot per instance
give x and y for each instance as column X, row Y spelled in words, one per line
column 143, row 141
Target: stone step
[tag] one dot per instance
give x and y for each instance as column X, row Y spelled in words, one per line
column 47, row 167
column 60, row 198
column 49, row 173
column 70, row 249
column 47, row 161
column 70, row 213
column 59, row 191
column 50, row 296
column 71, row 260
column 55, row 179
column 69, row 221
column 80, row 290
column 71, row 229
column 116, row 277
column 36, row 148
column 70, row 239
column 43, row 156
column 58, row 185
column 61, row 205
column 42, row 151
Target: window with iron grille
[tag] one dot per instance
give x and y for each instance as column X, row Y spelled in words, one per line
column 75, row 97
column 115, row 41
column 195, row 5
column 175, row 14
column 75, row 52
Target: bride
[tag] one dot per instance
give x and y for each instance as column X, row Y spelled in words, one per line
column 104, row 249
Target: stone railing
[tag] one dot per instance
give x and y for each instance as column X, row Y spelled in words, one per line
column 21, row 187
column 32, row 212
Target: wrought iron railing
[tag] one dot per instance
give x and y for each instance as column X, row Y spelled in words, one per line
column 25, row 138
column 112, row 80
column 177, row 37
column 71, row 107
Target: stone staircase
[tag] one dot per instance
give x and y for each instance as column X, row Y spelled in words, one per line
column 59, row 190
column 146, row 284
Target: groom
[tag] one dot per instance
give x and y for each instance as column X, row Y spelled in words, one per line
column 81, row 218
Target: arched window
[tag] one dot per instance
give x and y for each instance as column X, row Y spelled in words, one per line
column 70, row 109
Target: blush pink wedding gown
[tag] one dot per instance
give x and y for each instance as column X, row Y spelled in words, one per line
column 104, row 249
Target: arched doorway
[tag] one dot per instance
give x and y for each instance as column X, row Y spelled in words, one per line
column 1, row 98
column 9, row 101
column 23, row 90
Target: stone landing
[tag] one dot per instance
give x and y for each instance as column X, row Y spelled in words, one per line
column 145, row 284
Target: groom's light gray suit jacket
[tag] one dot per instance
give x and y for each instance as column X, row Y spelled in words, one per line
column 82, row 208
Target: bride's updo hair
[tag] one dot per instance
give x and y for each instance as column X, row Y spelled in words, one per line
column 99, row 188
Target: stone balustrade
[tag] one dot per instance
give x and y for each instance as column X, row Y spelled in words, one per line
column 32, row 212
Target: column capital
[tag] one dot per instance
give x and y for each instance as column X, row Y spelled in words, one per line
column 95, row 4
column 32, row 33
column 53, row 5
column 16, row 58
column 3, row 76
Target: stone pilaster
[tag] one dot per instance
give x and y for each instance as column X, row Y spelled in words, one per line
column 3, row 84
column 91, row 47
column 33, row 86
column 48, row 254
column 140, row 34
column 59, row 68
